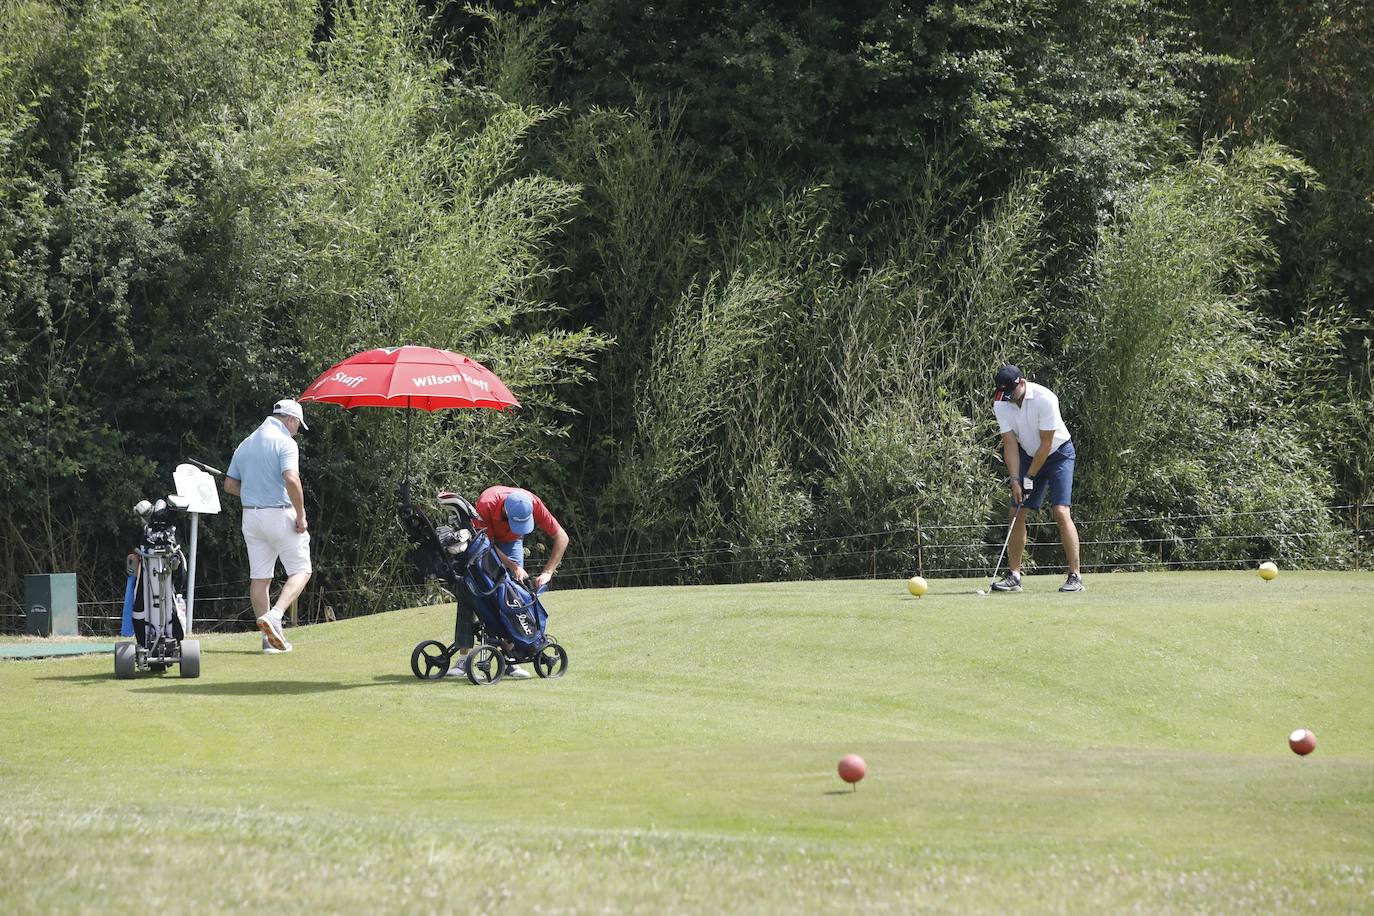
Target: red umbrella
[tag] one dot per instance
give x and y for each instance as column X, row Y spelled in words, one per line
column 421, row 377
column 411, row 377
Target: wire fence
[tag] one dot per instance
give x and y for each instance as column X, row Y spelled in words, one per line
column 1330, row 537
column 1315, row 538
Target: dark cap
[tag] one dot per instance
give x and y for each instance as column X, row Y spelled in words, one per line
column 1006, row 379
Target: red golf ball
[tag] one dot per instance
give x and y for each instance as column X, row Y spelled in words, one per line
column 1303, row 742
column 852, row 768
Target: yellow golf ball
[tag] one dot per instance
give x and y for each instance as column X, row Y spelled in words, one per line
column 1268, row 571
column 917, row 586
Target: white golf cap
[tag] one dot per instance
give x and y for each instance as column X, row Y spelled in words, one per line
column 289, row 408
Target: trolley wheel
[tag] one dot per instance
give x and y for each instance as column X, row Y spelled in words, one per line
column 190, row 658
column 485, row 665
column 551, row 661
column 430, row 660
column 126, row 659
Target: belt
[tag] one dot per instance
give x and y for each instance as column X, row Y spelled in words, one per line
column 267, row 507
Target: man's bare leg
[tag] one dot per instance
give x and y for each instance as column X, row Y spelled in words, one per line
column 1068, row 535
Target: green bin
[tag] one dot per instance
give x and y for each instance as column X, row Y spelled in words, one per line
column 50, row 605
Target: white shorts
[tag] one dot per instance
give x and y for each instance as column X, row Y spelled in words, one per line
column 271, row 533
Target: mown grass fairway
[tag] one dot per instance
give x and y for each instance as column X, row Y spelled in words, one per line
column 1122, row 748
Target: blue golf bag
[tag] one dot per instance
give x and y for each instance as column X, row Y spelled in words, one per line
column 507, row 609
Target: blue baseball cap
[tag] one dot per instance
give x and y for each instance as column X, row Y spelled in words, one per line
column 519, row 509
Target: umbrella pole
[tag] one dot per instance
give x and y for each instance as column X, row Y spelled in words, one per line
column 407, row 477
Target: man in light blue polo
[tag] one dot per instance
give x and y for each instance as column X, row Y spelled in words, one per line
column 265, row 475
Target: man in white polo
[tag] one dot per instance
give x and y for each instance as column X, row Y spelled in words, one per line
column 265, row 476
column 1039, row 455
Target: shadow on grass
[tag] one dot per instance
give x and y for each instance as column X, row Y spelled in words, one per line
column 81, row 678
column 277, row 688
column 173, row 683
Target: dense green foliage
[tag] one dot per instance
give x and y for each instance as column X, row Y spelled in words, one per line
column 748, row 265
column 187, row 242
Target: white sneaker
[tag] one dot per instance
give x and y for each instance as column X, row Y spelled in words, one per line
column 270, row 625
column 273, row 650
column 515, row 672
column 457, row 670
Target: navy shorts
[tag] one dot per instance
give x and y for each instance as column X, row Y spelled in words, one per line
column 1056, row 477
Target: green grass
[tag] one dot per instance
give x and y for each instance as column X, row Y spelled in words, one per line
column 1121, row 749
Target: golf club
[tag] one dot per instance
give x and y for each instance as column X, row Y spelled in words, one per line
column 205, row 467
column 1005, row 541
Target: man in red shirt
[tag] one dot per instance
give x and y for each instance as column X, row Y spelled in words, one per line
column 508, row 514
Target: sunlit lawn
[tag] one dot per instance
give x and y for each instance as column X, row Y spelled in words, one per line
column 1122, row 748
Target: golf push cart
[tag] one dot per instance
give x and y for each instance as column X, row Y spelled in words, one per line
column 502, row 620
column 159, row 622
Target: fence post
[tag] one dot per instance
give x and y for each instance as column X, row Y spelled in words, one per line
column 1359, row 538
column 920, row 561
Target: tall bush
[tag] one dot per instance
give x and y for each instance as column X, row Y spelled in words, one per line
column 383, row 201
column 108, row 258
column 205, row 206
column 1188, row 410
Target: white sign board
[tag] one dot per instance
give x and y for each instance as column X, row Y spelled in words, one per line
column 197, row 486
